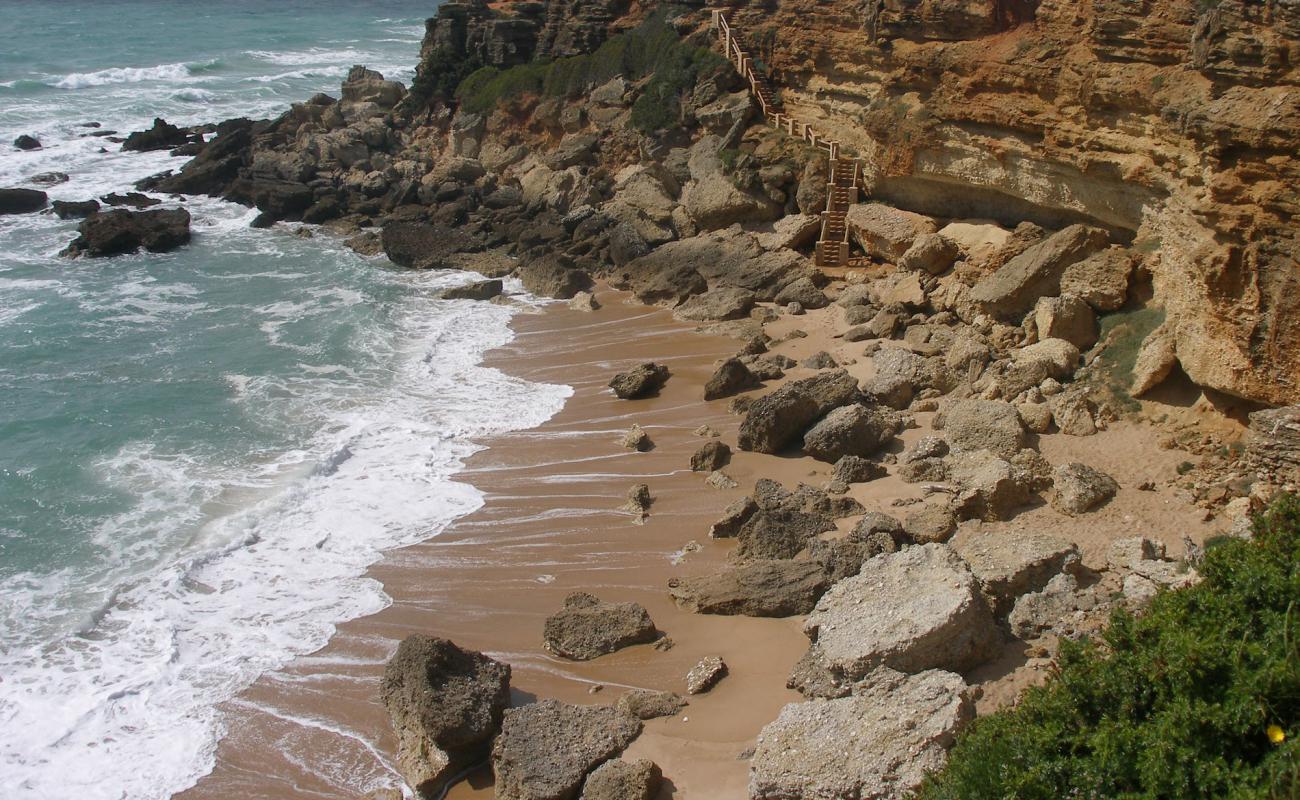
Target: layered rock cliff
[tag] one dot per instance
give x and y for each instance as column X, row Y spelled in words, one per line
column 1173, row 123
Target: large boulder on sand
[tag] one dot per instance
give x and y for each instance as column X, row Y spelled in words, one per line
column 1079, row 488
column 722, row 303
column 642, row 380
column 623, row 780
column 985, row 425
column 1156, row 359
column 931, row 252
column 446, row 704
column 1013, row 288
column 117, row 232
column 1009, row 564
column 586, row 628
column 1101, row 279
column 767, row 588
column 917, row 609
column 775, row 420
column 879, row 743
column 852, row 430
column 988, row 487
column 546, row 750
column 780, row 532
column 884, row 231
column 731, row 377
column 552, row 277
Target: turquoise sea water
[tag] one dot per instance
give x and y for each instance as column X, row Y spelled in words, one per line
column 202, row 451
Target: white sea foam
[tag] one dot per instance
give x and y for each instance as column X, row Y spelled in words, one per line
column 316, row 55
column 103, row 77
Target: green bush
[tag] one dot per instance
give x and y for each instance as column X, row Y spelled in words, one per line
column 438, row 75
column 1175, row 704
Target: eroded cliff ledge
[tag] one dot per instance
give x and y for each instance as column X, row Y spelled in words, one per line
column 1174, row 123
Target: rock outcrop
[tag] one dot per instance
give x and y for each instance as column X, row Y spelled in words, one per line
column 22, row 201
column 546, row 750
column 642, row 380
column 586, row 628
column 763, row 588
column 775, row 420
column 118, row 232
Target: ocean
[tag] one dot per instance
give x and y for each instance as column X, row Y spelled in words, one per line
column 201, row 452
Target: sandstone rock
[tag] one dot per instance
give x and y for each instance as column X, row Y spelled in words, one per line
column 1156, row 358
column 1100, row 280
column 855, row 469
column 711, row 456
column 791, row 231
column 722, row 303
column 931, row 252
column 732, row 377
column 1037, row 417
column 587, row 628
column 547, row 749
column 1011, row 290
column 879, row 743
column 1074, row 413
column 642, row 380
column 646, row 704
column 639, row 501
column 551, row 277
column 874, row 522
column 779, row 532
column 852, row 430
column 118, row 232
column 900, row 374
column 985, row 425
column 705, row 675
column 721, row 480
column 733, row 519
column 886, row 232
column 446, row 704
column 50, row 178
column 819, row 360
column 843, row 558
column 22, row 201
column 773, row 421
column 805, row 293
column 766, row 588
column 967, row 355
column 989, row 488
column 899, row 289
column 478, row 290
column 1054, row 358
column 1273, row 445
column 913, row 610
column 1066, row 317
column 637, row 439
column 1080, row 488
column 623, row 780
column 423, row 246
column 715, row 202
column 584, row 301
column 930, row 523
column 1009, row 564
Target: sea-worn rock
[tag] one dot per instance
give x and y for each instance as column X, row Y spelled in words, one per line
column 586, row 628
column 780, row 532
column 1013, row 288
column 875, row 522
column 553, row 277
column 478, row 290
column 985, row 425
column 886, row 232
column 79, row 209
column 1049, row 358
column 22, row 201
column 1066, row 317
column 584, row 301
column 879, row 743
column 1079, row 488
column 852, row 430
column 733, row 519
column 805, row 293
column 27, row 142
column 731, row 377
column 1074, row 413
column 722, row 303
column 1010, row 564
column 637, row 439
column 901, row 374
column 546, row 750
column 931, row 522
column 712, row 455
column 419, row 245
column 648, row 704
column 446, row 704
column 642, row 380
column 117, row 232
column 638, row 501
column 819, row 360
column 162, row 136
column 930, row 252
column 775, row 420
column 913, row 610
column 764, row 588
column 989, row 488
column 623, row 780
column 856, row 469
column 705, row 675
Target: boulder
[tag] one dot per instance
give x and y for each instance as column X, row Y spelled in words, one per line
column 446, row 705
column 1066, row 317
column 722, row 303
column 930, row 252
column 22, row 201
column 586, row 628
column 899, row 289
column 76, row 209
column 1010, row 564
column 552, row 277
column 852, row 430
column 879, row 743
column 886, row 232
column 874, row 522
column 917, row 609
column 642, row 380
column 1037, row 417
column 1273, row 444
column 988, row 488
column 1058, row 609
column 1074, row 413
column 765, row 588
column 419, row 245
column 804, row 292
column 50, row 178
column 546, row 750
column 780, row 532
column 775, row 420
column 900, row 374
column 623, row 780
column 1011, row 290
column 638, row 501
column 733, row 519
column 1079, row 488
column 478, row 290
column 637, row 439
column 930, row 523
column 1156, row 359
column 985, row 425
column 842, row 558
column 1048, row 358
column 705, row 675
column 715, row 202
column 1100, row 280
column 162, row 136
column 27, row 142
column 647, row 704
column 712, row 455
column 584, row 301
column 130, row 200
column 731, row 377
column 819, row 360
column 856, row 469
column 118, row 232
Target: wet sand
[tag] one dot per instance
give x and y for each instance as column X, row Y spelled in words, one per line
column 551, row 524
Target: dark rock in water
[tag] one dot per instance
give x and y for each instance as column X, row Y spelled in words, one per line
column 764, row 588
column 551, row 276
column 419, row 245
column 213, row 170
column 446, row 705
column 323, row 210
column 117, row 232
column 277, row 199
column 50, row 178
column 547, row 749
column 642, row 380
column 732, row 377
column 586, row 628
column 711, row 455
column 262, row 221
column 775, row 420
column 26, row 142
column 131, row 199
column 623, row 780
column 75, row 210
column 187, row 150
column 162, row 136
column 479, row 290
column 22, row 201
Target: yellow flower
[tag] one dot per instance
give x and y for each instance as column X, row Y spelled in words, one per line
column 1276, row 735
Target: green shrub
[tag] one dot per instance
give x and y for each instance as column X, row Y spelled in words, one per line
column 1117, row 360
column 438, row 75
column 1175, row 704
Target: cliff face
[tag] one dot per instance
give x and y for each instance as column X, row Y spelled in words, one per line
column 1173, row 123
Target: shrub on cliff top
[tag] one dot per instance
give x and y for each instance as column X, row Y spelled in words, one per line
column 1198, row 698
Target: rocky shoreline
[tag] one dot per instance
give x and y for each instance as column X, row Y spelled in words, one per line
column 922, row 494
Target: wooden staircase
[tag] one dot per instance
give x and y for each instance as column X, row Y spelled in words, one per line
column 846, row 173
